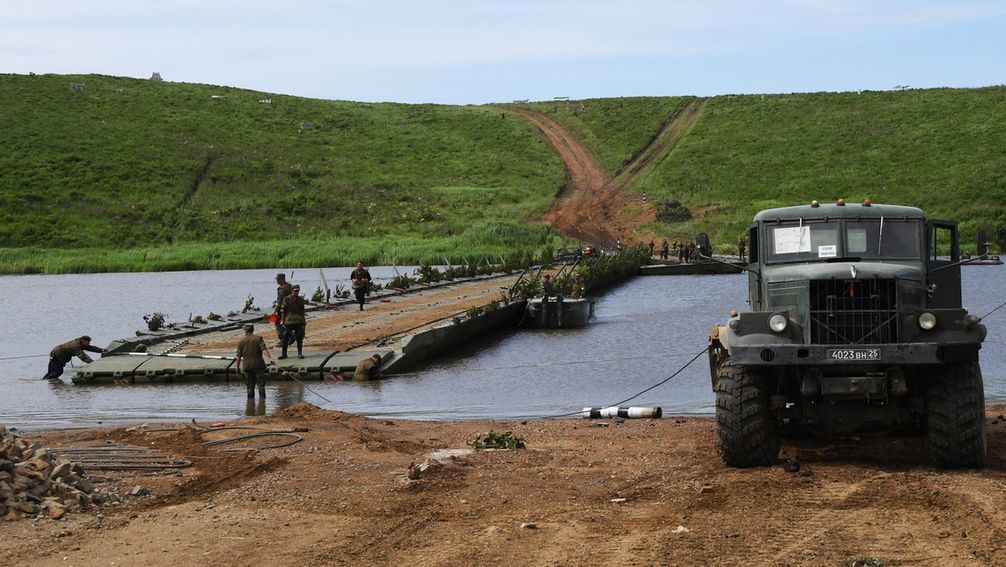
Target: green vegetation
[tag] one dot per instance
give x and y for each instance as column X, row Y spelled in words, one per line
column 938, row 149
column 126, row 174
column 497, row 440
column 613, row 129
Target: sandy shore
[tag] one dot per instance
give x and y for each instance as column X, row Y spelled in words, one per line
column 637, row 492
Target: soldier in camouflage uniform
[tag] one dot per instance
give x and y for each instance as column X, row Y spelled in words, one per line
column 294, row 322
column 283, row 289
column 250, row 361
column 62, row 354
column 368, row 369
column 361, row 283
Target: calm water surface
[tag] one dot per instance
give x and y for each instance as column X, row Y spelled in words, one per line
column 644, row 331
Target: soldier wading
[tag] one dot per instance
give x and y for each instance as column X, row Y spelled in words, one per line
column 64, row 352
column 249, row 360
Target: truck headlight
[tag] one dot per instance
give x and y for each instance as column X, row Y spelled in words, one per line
column 927, row 321
column 777, row 322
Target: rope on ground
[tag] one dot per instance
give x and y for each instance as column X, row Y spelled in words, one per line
column 658, row 384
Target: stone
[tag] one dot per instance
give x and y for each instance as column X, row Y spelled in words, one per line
column 27, row 507
column 12, row 515
column 705, row 488
column 529, row 526
column 56, row 513
column 791, row 466
column 62, row 470
column 84, row 485
column 139, row 491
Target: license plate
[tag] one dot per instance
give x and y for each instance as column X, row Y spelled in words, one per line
column 854, row 354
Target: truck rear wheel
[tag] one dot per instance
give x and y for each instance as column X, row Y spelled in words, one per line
column 955, row 416
column 748, row 435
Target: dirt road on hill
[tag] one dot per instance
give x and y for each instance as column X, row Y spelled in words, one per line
column 595, row 206
column 638, row 492
column 347, row 327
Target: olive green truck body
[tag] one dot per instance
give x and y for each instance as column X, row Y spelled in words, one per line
column 855, row 324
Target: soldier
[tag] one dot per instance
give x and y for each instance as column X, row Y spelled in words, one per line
column 651, row 246
column 681, row 250
column 547, row 288
column 577, row 291
column 283, row 289
column 741, row 245
column 665, row 250
column 62, row 354
column 361, row 283
column 294, row 322
column 250, row 350
column 368, row 369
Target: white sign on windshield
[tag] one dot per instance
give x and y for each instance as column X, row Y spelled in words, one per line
column 792, row 239
column 828, row 251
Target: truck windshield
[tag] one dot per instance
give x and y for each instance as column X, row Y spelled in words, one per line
column 883, row 239
column 811, row 241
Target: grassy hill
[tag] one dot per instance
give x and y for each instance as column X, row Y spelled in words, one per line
column 132, row 174
column 940, row 149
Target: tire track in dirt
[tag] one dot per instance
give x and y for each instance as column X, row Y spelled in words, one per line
column 593, row 206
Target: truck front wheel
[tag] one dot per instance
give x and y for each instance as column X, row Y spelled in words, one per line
column 748, row 434
column 955, row 416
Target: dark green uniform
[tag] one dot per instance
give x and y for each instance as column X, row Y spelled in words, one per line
column 282, row 291
column 294, row 321
column 249, row 353
column 361, row 283
column 61, row 355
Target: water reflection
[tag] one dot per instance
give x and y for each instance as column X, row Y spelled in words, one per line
column 255, row 407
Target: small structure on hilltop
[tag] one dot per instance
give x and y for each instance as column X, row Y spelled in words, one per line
column 156, row 76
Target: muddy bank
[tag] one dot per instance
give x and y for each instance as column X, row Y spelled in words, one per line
column 648, row 491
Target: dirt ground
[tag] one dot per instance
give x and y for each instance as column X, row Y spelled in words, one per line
column 595, row 207
column 635, row 492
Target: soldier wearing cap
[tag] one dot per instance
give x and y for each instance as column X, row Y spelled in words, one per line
column 294, row 321
column 62, row 354
column 283, row 289
column 249, row 360
column 368, row 369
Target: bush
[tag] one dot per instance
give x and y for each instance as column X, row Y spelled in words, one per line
column 672, row 212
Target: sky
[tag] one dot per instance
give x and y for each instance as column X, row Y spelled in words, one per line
column 480, row 51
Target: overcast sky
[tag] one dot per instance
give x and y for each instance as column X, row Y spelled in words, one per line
column 478, row 51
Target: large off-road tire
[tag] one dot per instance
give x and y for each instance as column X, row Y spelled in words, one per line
column 748, row 433
column 955, row 416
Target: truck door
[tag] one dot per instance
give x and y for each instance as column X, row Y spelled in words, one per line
column 944, row 277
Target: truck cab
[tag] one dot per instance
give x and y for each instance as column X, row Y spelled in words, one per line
column 855, row 324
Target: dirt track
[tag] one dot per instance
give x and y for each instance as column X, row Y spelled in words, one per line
column 611, row 494
column 595, row 207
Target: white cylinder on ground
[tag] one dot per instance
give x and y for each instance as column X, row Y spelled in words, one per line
column 624, row 412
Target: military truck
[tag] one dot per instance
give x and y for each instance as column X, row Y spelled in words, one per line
column 855, row 324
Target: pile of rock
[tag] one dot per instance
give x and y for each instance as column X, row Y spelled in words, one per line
column 33, row 483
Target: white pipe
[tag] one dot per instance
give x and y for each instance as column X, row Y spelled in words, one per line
column 624, row 412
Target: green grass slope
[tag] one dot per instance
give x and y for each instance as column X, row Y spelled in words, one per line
column 943, row 150
column 134, row 174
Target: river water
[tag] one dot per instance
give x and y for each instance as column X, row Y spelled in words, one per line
column 645, row 330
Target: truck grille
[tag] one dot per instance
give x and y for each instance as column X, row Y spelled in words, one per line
column 849, row 312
